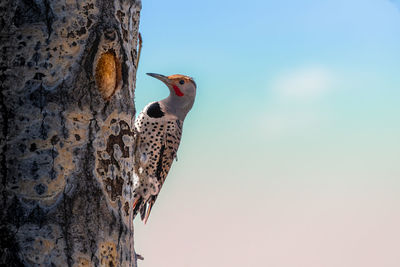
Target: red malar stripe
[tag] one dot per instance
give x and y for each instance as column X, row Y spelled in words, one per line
column 178, row 92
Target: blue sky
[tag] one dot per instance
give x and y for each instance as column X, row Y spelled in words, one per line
column 292, row 145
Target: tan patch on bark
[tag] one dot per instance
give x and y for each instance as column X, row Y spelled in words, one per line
column 108, row 254
column 82, row 262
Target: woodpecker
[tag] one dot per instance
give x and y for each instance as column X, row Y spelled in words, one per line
column 158, row 134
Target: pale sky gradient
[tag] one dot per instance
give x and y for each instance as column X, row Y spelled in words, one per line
column 291, row 154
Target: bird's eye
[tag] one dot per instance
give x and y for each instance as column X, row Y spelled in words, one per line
column 181, row 81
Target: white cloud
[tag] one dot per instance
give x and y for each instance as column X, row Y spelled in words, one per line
column 297, row 105
column 307, row 82
column 281, row 122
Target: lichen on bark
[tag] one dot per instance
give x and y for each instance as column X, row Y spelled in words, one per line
column 60, row 130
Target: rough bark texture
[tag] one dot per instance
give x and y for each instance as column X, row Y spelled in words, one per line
column 67, row 74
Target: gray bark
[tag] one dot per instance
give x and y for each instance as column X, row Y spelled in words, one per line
column 67, row 73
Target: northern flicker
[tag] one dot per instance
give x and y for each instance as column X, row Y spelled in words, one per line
column 159, row 130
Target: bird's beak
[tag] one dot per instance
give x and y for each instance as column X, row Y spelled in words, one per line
column 162, row 78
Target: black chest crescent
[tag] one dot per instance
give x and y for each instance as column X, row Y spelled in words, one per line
column 154, row 111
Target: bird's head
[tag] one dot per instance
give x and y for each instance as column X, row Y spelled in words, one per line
column 181, row 86
column 182, row 93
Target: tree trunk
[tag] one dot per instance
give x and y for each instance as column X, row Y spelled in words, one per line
column 67, row 112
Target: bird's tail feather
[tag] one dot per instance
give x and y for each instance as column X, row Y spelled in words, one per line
column 144, row 207
column 137, row 203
